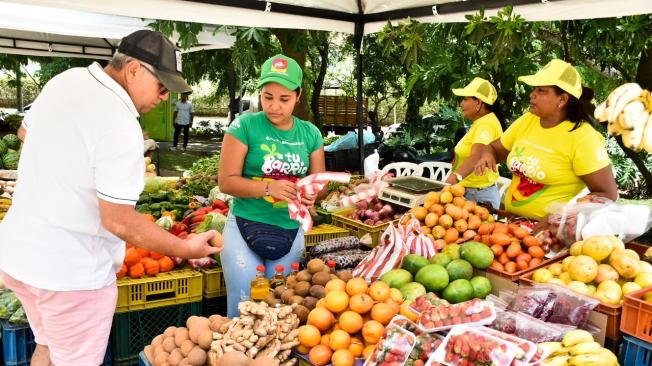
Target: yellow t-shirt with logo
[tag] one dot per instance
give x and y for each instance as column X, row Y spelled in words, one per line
column 484, row 130
column 546, row 163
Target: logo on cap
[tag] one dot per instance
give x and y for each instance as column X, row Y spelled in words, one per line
column 178, row 57
column 280, row 65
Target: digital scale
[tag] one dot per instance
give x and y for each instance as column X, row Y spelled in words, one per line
column 409, row 191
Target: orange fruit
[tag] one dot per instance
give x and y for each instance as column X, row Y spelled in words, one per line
column 368, row 350
column 350, row 322
column 356, row 286
column 320, row 355
column 337, row 301
column 419, row 212
column 361, row 303
column 325, row 339
column 336, row 327
column 356, row 347
column 321, row 318
column 395, row 306
column 396, row 295
column 343, row 357
column 379, row 291
column 372, row 331
column 321, row 303
column 383, row 313
column 302, row 349
column 335, row 285
column 457, row 190
column 309, row 335
column 339, row 339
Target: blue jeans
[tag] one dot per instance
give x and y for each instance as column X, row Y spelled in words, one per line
column 239, row 264
column 488, row 194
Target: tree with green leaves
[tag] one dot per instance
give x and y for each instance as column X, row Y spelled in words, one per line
column 13, row 64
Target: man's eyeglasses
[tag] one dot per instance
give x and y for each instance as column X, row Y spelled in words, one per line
column 162, row 89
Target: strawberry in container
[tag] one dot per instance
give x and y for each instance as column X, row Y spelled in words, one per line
column 425, row 302
column 446, row 316
column 471, row 346
column 426, row 343
column 393, row 349
column 525, row 350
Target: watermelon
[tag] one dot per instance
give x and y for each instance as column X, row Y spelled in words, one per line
column 10, row 160
column 13, row 142
column 3, row 147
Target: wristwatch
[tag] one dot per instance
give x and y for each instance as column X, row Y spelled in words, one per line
column 458, row 176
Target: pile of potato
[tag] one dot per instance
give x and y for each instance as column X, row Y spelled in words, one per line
column 185, row 346
column 260, row 336
column 306, row 288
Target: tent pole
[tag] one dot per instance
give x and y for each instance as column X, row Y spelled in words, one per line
column 357, row 41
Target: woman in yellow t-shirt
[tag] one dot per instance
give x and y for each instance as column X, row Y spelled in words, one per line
column 480, row 106
column 553, row 151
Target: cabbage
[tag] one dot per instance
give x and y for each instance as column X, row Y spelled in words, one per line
column 212, row 221
column 154, row 184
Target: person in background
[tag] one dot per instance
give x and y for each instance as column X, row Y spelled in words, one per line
column 480, row 106
column 62, row 265
column 268, row 152
column 184, row 113
column 553, row 151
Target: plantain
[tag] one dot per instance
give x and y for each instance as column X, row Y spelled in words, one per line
column 620, row 97
column 595, row 359
column 557, row 361
column 585, row 348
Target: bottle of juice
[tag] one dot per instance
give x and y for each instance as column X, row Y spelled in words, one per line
column 260, row 285
column 294, row 268
column 279, row 278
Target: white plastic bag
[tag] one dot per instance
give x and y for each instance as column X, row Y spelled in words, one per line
column 371, row 164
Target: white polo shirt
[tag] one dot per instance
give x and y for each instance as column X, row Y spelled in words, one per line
column 183, row 112
column 83, row 143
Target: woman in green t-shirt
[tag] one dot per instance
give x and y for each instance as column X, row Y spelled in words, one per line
column 479, row 105
column 263, row 156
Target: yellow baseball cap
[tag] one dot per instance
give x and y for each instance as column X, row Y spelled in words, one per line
column 559, row 73
column 479, row 88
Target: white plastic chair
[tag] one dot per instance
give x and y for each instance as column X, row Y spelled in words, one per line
column 438, row 170
column 403, row 169
column 503, row 183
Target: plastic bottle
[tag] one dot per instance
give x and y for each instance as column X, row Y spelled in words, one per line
column 294, row 268
column 279, row 278
column 260, row 285
column 331, row 265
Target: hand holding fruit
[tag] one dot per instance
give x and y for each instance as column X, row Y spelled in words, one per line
column 202, row 245
column 282, row 190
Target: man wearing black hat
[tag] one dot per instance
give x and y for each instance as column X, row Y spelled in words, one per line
column 81, row 173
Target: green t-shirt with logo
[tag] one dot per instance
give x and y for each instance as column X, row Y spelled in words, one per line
column 272, row 154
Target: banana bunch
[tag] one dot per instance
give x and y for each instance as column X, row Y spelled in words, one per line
column 577, row 348
column 628, row 111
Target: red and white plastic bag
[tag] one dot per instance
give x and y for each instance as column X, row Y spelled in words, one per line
column 387, row 255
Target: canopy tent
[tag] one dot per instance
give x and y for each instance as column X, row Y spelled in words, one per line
column 48, row 31
column 342, row 15
column 350, row 16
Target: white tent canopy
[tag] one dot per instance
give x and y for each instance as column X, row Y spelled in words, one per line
column 49, row 31
column 342, row 15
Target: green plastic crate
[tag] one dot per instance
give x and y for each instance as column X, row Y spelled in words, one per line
column 132, row 331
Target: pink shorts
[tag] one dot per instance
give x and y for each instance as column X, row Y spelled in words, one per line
column 74, row 325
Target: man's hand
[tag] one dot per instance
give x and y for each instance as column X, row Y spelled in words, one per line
column 203, row 245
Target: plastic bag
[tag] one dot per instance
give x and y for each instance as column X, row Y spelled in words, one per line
column 568, row 223
column 529, row 328
column 530, row 301
column 571, row 308
column 472, row 345
column 350, row 141
column 371, row 164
